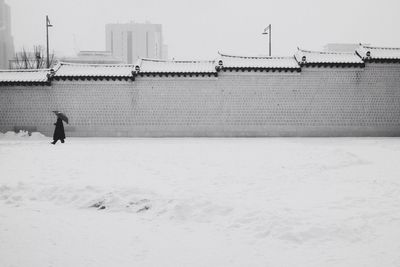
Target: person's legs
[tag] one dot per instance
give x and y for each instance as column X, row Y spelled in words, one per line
column 54, row 142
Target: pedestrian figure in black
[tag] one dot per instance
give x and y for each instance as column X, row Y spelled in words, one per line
column 59, row 133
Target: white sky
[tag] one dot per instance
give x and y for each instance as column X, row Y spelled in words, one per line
column 199, row 29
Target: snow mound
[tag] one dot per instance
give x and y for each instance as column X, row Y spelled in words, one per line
column 37, row 136
column 131, row 200
column 22, row 135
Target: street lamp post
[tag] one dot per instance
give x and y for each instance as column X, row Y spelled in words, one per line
column 268, row 31
column 48, row 24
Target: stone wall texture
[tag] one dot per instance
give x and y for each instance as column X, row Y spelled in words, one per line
column 321, row 101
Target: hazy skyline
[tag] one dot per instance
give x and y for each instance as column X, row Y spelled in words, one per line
column 199, row 29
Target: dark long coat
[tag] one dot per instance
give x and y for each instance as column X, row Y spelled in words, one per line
column 59, row 133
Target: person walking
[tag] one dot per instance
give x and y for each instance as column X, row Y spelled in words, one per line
column 59, row 133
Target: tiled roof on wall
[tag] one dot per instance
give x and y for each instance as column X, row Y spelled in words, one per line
column 153, row 66
column 386, row 53
column 24, row 76
column 93, row 70
column 306, row 57
column 244, row 62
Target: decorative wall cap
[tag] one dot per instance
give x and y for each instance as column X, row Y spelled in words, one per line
column 24, row 76
column 64, row 69
column 371, row 52
column 176, row 66
column 306, row 57
column 258, row 62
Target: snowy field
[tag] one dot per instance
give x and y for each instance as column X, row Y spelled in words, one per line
column 199, row 202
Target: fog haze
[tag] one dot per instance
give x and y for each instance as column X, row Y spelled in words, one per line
column 199, row 29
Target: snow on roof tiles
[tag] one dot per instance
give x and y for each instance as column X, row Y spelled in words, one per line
column 175, row 66
column 24, row 76
column 314, row 57
column 239, row 62
column 93, row 70
column 370, row 52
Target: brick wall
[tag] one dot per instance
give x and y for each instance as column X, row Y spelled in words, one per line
column 315, row 102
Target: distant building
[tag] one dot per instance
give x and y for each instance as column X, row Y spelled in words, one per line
column 6, row 39
column 93, row 57
column 340, row 47
column 131, row 41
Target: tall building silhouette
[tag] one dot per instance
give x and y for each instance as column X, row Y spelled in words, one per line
column 131, row 41
column 6, row 39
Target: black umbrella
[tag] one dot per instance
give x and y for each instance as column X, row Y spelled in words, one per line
column 61, row 115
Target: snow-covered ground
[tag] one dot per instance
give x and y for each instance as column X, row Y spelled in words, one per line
column 199, row 202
